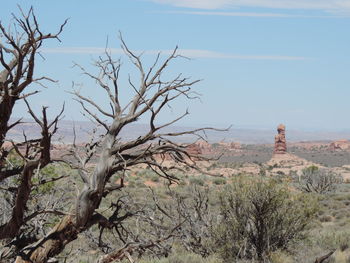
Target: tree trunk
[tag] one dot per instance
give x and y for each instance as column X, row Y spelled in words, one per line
column 53, row 244
column 6, row 106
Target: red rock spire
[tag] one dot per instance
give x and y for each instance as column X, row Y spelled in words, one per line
column 280, row 140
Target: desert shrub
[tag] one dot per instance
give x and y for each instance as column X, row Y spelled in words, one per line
column 340, row 257
column 333, row 240
column 146, row 173
column 155, row 178
column 183, row 257
column 280, row 173
column 196, row 181
column 260, row 216
column 318, row 180
column 280, row 257
column 213, row 166
column 262, row 172
column 13, row 160
column 197, row 207
column 219, row 180
column 293, row 173
column 326, row 218
column 140, row 184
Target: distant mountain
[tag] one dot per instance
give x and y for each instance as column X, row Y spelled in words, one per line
column 246, row 136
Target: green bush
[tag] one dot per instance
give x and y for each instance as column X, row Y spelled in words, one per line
column 219, row 180
column 260, row 216
column 44, row 180
column 196, row 181
column 155, row 178
column 326, row 218
column 145, row 173
column 334, row 240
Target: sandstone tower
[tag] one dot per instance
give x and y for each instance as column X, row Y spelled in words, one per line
column 280, row 140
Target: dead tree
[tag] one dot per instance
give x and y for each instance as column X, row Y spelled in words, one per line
column 19, row 46
column 142, row 224
column 151, row 95
column 319, row 180
column 199, row 220
column 324, row 258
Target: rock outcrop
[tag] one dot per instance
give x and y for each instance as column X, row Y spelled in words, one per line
column 280, row 140
column 340, row 145
column 205, row 147
column 193, row 149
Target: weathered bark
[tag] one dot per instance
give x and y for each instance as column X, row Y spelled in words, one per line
column 115, row 155
column 117, row 255
column 6, row 105
column 17, row 58
column 324, row 258
column 12, row 227
column 90, row 198
column 54, row 243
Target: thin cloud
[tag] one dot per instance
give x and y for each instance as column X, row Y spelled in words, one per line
column 190, row 53
column 243, row 14
column 197, row 53
column 203, row 4
column 324, row 5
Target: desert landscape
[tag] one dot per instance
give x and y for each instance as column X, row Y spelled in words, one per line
column 234, row 148
column 319, row 169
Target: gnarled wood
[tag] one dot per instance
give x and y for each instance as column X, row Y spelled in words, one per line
column 53, row 244
column 18, row 72
column 152, row 94
column 324, row 258
column 19, row 46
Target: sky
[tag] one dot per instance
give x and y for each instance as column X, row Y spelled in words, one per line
column 261, row 62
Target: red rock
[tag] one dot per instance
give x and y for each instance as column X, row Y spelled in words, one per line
column 235, row 146
column 340, row 145
column 193, row 149
column 280, row 140
column 204, row 147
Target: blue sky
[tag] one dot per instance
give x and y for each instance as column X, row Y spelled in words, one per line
column 262, row 62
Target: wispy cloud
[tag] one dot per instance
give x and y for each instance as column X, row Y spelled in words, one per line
column 243, row 14
column 342, row 6
column 199, row 53
column 204, row 4
column 190, row 53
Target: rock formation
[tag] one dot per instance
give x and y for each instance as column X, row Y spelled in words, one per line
column 193, row 149
column 341, row 145
column 280, row 140
column 235, row 146
column 205, row 147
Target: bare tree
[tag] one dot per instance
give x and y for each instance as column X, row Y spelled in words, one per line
column 19, row 46
column 319, row 180
column 151, row 95
column 148, row 226
column 199, row 220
